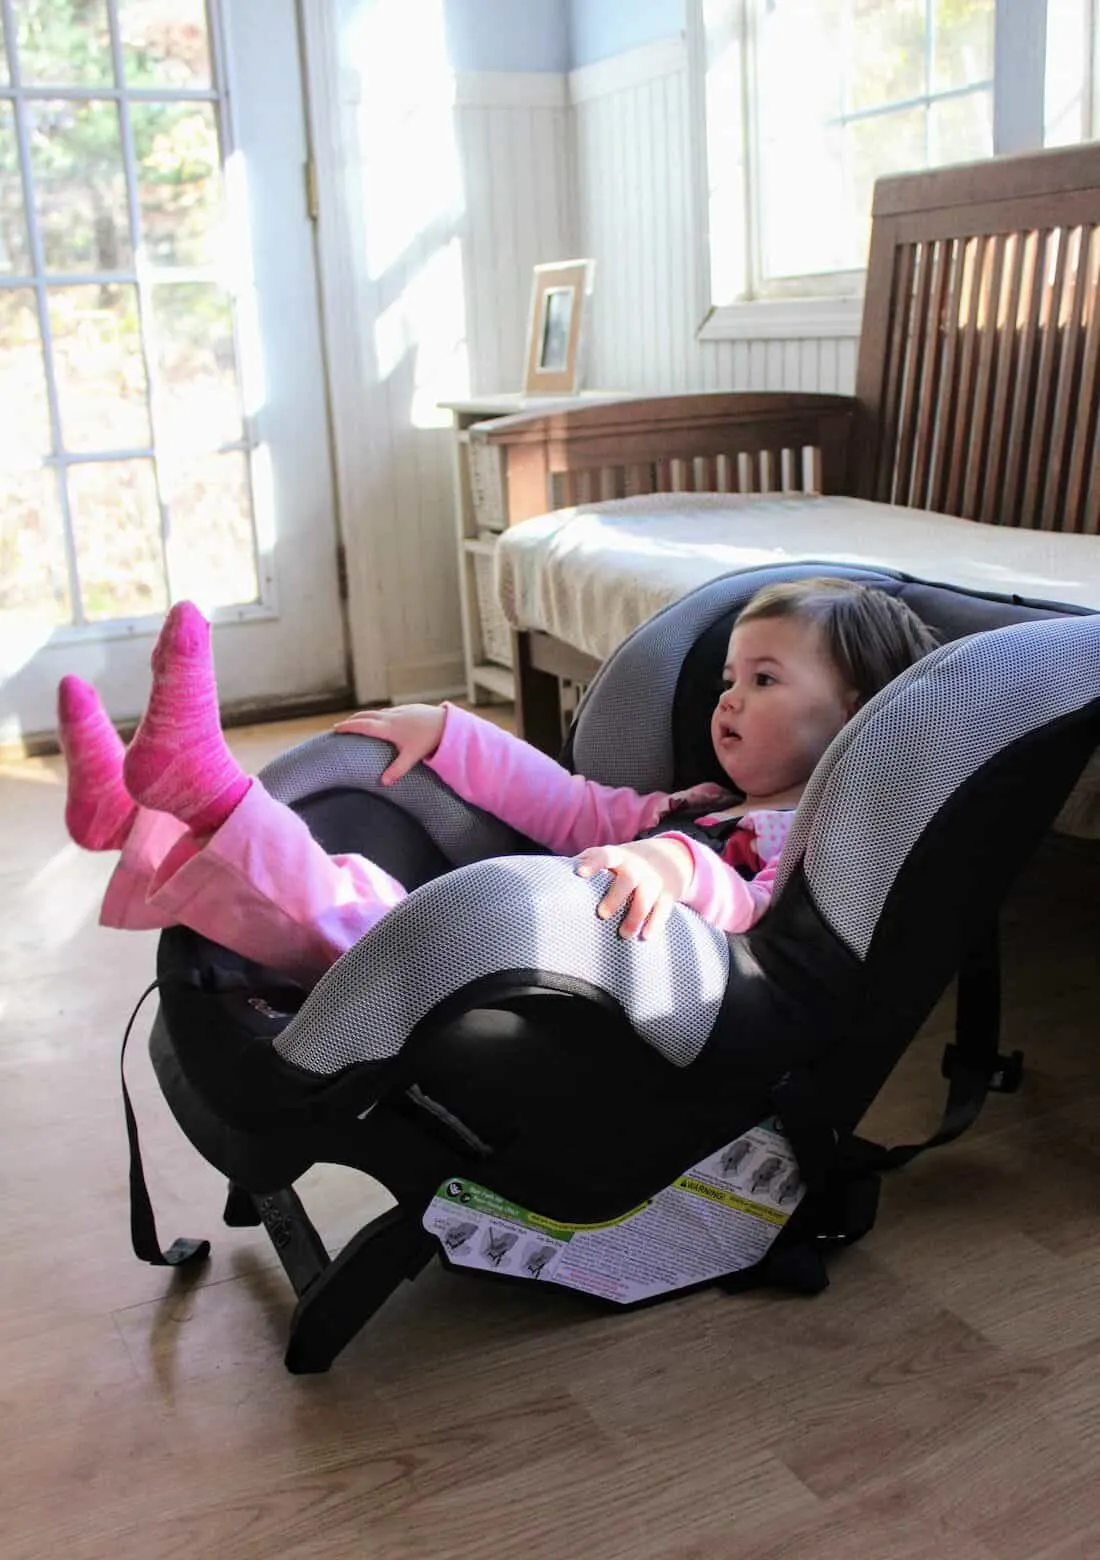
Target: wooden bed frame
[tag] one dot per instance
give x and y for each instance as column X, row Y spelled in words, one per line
column 977, row 390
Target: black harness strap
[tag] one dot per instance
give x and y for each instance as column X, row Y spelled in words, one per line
column 974, row 1066
column 143, row 1225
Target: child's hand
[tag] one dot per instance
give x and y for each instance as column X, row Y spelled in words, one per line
column 415, row 730
column 652, row 875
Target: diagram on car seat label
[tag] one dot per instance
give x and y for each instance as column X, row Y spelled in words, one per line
column 720, row 1216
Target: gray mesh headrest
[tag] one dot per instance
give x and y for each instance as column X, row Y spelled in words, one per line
column 898, row 761
column 623, row 733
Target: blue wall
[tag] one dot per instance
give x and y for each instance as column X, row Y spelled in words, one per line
column 508, row 34
column 600, row 28
column 553, row 35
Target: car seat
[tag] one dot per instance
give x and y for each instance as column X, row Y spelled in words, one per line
column 632, row 1120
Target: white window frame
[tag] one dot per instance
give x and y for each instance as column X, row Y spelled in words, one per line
column 836, row 308
column 140, row 276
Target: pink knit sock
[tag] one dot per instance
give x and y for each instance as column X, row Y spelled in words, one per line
column 178, row 762
column 98, row 812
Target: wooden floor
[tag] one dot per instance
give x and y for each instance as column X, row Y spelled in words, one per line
column 941, row 1401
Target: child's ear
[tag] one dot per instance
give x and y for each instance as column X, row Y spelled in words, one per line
column 853, row 701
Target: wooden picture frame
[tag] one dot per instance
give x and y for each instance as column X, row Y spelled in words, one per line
column 556, row 326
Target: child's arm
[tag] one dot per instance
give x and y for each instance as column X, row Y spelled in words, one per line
column 508, row 777
column 720, row 894
column 534, row 794
column 654, row 874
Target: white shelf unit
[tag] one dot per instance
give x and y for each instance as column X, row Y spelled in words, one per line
column 480, row 516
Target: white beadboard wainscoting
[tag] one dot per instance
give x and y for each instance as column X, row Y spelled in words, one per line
column 514, row 142
column 634, row 161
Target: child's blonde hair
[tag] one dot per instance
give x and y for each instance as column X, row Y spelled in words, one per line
column 869, row 636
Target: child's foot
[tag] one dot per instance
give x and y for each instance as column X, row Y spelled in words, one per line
column 178, row 762
column 98, row 811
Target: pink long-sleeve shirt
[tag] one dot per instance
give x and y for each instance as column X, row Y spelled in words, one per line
column 567, row 813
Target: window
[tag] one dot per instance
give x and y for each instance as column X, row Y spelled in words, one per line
column 124, row 473
column 800, row 105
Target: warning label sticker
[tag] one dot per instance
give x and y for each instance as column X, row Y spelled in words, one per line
column 720, row 1216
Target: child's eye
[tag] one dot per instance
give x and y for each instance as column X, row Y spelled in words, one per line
column 763, row 679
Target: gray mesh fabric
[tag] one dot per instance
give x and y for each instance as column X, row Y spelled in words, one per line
column 895, row 765
column 513, row 913
column 337, row 760
column 623, row 733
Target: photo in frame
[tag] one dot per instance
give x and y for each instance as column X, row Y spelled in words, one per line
column 555, row 330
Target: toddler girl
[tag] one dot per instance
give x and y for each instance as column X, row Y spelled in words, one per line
column 205, row 846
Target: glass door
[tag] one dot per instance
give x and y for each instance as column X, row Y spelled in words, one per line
column 162, row 400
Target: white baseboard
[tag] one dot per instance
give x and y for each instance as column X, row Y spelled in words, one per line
column 416, row 682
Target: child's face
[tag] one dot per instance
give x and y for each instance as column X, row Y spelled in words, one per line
column 784, row 704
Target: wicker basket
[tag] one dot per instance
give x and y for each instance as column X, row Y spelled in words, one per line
column 485, row 464
column 496, row 634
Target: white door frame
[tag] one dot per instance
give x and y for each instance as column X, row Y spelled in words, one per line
column 357, row 450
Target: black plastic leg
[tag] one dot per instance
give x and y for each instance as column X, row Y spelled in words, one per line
column 297, row 1244
column 241, row 1212
column 352, row 1287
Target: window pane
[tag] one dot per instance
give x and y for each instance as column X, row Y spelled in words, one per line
column 33, row 576
column 887, row 53
column 64, row 42
column 5, row 74
column 198, row 402
column 962, row 51
column 211, row 551
column 1067, row 98
column 24, row 409
column 890, row 143
column 830, row 74
column 14, row 253
column 179, row 181
column 99, row 368
column 80, row 186
column 164, row 43
column 116, row 529
column 961, row 129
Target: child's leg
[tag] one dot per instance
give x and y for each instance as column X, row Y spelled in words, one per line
column 208, row 849
column 178, row 762
column 264, row 887
column 126, row 905
column 99, row 812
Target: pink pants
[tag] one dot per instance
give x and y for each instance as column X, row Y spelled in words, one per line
column 261, row 885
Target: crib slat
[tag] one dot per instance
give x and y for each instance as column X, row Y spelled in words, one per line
column 1007, row 311
column 1090, row 515
column 705, row 474
column 970, row 307
column 947, row 390
column 986, row 333
column 1026, row 331
column 915, row 354
column 1087, row 422
column 1065, row 397
column 1046, row 377
column 929, row 378
column 902, row 291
